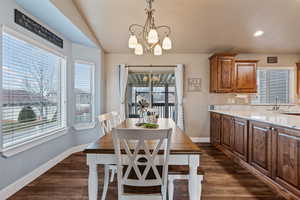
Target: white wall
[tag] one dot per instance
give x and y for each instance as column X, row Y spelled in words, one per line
column 17, row 166
column 196, row 66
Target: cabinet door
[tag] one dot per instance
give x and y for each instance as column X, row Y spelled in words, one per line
column 213, row 74
column 225, row 74
column 260, row 147
column 227, row 131
column 286, row 158
column 240, row 138
column 215, row 128
column 245, row 77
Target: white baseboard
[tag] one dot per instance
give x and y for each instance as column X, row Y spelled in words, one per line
column 200, row 139
column 25, row 180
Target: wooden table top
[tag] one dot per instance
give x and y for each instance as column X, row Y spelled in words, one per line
column 180, row 144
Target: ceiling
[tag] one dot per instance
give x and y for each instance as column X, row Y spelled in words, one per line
column 201, row 26
column 50, row 15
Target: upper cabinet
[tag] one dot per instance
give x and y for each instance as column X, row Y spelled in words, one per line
column 222, row 73
column 228, row 75
column 245, row 76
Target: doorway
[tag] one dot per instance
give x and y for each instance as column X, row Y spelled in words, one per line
column 157, row 88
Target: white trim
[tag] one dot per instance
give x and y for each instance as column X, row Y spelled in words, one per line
column 25, row 38
column 292, row 82
column 25, row 180
column 84, row 126
column 200, row 139
column 1, row 89
column 290, row 67
column 81, row 126
column 20, row 147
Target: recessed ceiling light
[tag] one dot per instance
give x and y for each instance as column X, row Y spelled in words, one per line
column 258, row 33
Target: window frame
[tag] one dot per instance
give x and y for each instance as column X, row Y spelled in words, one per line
column 292, row 82
column 23, row 145
column 92, row 124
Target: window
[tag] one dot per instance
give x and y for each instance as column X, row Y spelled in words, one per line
column 84, row 92
column 32, row 91
column 274, row 85
column 158, row 89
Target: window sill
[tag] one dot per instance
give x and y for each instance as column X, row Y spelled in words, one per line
column 85, row 126
column 11, row 151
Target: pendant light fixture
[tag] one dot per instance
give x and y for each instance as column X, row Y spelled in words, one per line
column 149, row 38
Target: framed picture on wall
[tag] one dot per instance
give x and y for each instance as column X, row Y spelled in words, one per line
column 194, row 85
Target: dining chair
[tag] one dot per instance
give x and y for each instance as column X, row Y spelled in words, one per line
column 107, row 122
column 116, row 118
column 137, row 165
column 181, row 172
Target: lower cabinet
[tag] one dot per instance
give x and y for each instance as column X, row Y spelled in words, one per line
column 227, row 131
column 215, row 127
column 260, row 147
column 240, row 138
column 271, row 151
column 286, row 158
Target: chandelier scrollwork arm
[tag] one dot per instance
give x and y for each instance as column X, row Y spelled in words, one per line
column 165, row 27
column 149, row 37
column 132, row 27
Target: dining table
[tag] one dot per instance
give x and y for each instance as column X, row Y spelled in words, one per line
column 182, row 152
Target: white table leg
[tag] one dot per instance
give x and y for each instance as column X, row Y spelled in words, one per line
column 106, row 182
column 194, row 182
column 93, row 182
column 171, row 188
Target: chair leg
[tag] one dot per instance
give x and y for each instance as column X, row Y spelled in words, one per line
column 164, row 193
column 171, row 189
column 200, row 179
column 112, row 176
column 106, row 182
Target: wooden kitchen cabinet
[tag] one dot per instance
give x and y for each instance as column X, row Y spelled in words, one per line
column 240, row 138
column 272, row 153
column 245, row 76
column 286, row 158
column 260, row 147
column 230, row 76
column 215, row 127
column 227, row 126
column 222, row 72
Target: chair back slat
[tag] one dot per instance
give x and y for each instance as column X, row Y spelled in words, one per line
column 106, row 122
column 116, row 118
column 139, row 144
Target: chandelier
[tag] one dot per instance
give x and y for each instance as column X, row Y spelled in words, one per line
column 149, row 38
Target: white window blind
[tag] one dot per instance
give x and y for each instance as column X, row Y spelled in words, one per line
column 273, row 84
column 32, row 91
column 84, row 92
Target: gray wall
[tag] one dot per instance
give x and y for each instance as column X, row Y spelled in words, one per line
column 17, row 166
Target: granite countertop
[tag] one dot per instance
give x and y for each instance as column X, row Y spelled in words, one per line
column 271, row 117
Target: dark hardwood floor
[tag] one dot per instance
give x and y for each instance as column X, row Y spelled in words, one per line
column 224, row 180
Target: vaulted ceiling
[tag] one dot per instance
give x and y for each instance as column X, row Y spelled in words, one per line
column 201, row 26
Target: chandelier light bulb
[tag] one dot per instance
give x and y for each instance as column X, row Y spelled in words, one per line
column 132, row 42
column 157, row 50
column 139, row 50
column 152, row 36
column 167, row 43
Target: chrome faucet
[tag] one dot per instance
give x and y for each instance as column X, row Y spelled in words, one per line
column 276, row 107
